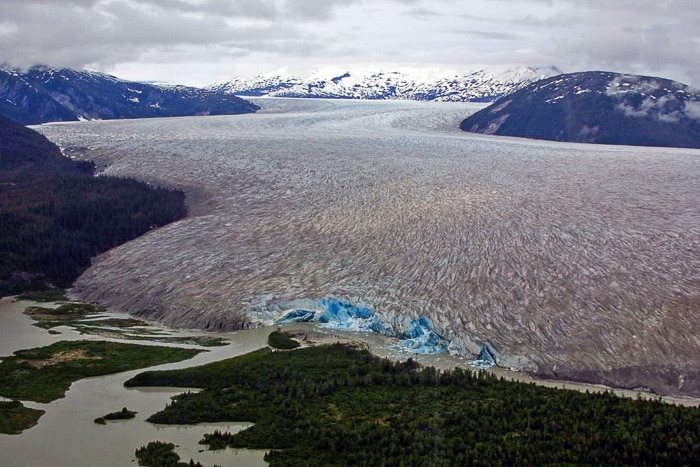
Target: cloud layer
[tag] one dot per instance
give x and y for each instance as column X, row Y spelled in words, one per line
column 201, row 41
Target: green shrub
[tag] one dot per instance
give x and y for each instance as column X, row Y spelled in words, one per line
column 281, row 340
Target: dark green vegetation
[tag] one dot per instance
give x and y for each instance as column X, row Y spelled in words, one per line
column 123, row 414
column 54, row 215
column 596, row 107
column 14, row 417
column 51, row 295
column 44, row 374
column 336, row 405
column 281, row 340
column 160, row 454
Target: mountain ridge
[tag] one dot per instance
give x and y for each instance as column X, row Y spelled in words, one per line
column 46, row 94
column 475, row 86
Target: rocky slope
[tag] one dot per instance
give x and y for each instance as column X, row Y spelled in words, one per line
column 44, row 94
column 597, row 107
column 474, row 86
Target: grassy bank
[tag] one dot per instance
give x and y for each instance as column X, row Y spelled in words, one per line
column 336, row 405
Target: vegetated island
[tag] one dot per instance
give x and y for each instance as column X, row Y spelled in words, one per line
column 339, row 405
column 123, row 414
column 45, row 374
column 596, row 107
column 90, row 319
column 55, row 215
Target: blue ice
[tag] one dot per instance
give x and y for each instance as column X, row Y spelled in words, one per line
column 297, row 316
column 418, row 338
column 486, row 358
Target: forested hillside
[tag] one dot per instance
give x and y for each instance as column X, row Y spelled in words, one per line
column 54, row 215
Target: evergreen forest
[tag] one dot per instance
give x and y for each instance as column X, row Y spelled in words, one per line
column 338, row 405
column 55, row 215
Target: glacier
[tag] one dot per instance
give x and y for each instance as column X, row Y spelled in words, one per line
column 570, row 260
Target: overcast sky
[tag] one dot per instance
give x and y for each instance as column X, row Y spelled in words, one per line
column 199, row 42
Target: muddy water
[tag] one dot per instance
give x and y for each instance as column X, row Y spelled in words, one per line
column 67, row 435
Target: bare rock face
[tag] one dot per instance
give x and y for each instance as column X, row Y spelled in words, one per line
column 576, row 261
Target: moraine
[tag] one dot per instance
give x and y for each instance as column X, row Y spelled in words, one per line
column 574, row 261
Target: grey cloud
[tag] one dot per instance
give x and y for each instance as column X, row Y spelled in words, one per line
column 424, row 13
column 644, row 36
column 262, row 9
column 501, row 36
column 106, row 32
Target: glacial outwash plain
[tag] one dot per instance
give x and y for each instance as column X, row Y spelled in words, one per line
column 572, row 261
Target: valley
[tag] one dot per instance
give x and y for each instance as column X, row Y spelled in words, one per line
column 572, row 261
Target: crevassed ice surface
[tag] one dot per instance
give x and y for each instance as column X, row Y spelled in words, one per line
column 579, row 261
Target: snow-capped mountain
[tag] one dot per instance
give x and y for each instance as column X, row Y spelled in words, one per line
column 473, row 86
column 44, row 94
column 597, row 107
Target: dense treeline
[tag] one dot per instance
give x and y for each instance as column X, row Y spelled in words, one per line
column 54, row 215
column 334, row 405
column 26, row 154
column 160, row 454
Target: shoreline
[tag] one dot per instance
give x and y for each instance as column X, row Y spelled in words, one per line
column 385, row 347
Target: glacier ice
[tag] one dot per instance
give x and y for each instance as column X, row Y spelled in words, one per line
column 297, row 316
column 383, row 204
column 487, row 357
column 417, row 337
